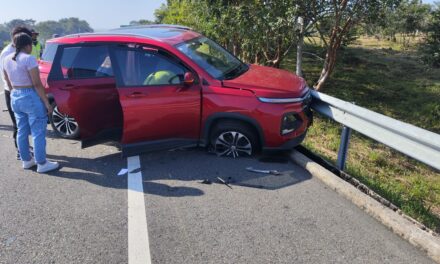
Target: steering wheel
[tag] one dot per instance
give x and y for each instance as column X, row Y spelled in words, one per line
column 217, row 62
column 171, row 80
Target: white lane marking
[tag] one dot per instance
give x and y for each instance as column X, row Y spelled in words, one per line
column 138, row 243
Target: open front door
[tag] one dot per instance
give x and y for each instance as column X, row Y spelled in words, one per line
column 160, row 111
column 84, row 87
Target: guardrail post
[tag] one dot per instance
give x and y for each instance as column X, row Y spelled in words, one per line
column 343, row 148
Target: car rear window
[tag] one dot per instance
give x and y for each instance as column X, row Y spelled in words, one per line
column 49, row 52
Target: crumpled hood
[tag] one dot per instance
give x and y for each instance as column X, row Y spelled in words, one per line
column 269, row 82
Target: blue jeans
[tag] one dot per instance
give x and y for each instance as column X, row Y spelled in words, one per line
column 31, row 116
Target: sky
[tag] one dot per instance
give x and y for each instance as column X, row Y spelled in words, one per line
column 101, row 14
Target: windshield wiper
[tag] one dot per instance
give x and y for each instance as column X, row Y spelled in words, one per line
column 235, row 72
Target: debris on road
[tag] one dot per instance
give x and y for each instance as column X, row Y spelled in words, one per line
column 122, row 172
column 206, row 181
column 273, row 172
column 136, row 170
column 224, row 182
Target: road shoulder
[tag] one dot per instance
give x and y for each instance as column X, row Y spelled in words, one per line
column 401, row 226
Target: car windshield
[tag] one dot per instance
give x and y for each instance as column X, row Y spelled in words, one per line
column 210, row 56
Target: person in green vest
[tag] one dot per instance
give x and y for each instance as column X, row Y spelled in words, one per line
column 37, row 49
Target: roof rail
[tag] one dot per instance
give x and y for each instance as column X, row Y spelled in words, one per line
column 154, row 26
column 120, row 31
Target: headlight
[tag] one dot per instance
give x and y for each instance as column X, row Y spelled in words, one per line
column 289, row 123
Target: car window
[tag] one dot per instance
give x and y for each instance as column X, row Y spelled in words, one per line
column 139, row 67
column 49, row 52
column 86, row 62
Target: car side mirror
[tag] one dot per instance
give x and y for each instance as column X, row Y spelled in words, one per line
column 188, row 79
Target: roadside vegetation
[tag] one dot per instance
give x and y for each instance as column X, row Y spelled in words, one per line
column 387, row 78
column 46, row 29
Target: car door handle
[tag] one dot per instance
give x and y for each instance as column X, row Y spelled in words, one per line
column 68, row 87
column 136, row 95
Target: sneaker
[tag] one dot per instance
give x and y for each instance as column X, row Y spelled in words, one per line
column 29, row 164
column 48, row 166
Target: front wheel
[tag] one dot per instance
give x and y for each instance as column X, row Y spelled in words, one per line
column 233, row 139
column 64, row 126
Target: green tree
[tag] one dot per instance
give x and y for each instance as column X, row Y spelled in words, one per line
column 336, row 20
column 161, row 12
column 408, row 19
column 7, row 27
column 20, row 22
column 256, row 31
column 141, row 22
column 62, row 27
column 4, row 36
column 74, row 25
column 48, row 28
column 413, row 16
column 431, row 48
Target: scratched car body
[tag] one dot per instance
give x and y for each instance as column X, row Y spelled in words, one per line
column 162, row 87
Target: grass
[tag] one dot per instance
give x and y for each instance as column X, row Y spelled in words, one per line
column 385, row 78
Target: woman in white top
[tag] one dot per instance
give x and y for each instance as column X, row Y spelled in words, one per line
column 29, row 103
column 8, row 50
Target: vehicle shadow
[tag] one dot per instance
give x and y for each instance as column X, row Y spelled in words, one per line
column 165, row 173
column 103, row 171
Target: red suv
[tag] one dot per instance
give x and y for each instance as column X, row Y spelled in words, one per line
column 161, row 87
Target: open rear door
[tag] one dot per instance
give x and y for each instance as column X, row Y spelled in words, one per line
column 83, row 85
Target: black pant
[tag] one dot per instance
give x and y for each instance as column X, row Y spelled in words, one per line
column 11, row 113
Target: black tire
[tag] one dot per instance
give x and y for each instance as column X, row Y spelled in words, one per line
column 227, row 134
column 59, row 121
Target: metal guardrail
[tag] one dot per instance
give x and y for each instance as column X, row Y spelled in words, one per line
column 410, row 140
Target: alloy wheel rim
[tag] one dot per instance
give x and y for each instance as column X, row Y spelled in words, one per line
column 63, row 123
column 233, row 144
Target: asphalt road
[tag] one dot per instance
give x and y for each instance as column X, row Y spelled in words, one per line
column 84, row 212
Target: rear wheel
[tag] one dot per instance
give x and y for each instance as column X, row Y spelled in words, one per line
column 65, row 126
column 233, row 139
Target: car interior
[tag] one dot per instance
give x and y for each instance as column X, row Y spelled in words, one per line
column 139, row 67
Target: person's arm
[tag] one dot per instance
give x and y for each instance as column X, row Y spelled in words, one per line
column 5, row 74
column 36, row 81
